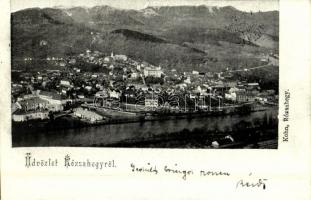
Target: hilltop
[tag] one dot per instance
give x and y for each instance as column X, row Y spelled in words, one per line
column 181, row 37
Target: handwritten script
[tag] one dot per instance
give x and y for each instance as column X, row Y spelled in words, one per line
column 259, row 183
column 185, row 173
column 172, row 170
column 175, row 169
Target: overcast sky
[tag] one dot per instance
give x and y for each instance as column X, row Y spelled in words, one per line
column 245, row 5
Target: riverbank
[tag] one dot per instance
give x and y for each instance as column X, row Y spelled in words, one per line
column 114, row 117
column 243, row 136
column 132, row 134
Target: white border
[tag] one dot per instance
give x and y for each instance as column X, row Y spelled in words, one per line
column 287, row 169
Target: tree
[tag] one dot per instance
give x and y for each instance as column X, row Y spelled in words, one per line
column 244, row 109
column 51, row 116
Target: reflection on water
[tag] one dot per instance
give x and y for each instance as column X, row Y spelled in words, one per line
column 106, row 134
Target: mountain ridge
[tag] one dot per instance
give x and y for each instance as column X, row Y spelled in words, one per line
column 199, row 33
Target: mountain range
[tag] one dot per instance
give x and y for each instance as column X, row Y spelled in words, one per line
column 181, row 37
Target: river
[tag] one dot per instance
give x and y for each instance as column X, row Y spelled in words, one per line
column 112, row 133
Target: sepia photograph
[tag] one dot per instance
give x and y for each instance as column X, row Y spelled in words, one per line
column 155, row 99
column 151, row 74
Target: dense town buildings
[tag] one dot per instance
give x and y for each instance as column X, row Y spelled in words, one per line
column 120, row 80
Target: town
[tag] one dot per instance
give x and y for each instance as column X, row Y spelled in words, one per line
column 126, row 89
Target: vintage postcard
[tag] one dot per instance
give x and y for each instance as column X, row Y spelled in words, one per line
column 184, row 76
column 150, row 99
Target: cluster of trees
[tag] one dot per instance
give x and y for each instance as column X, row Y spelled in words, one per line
column 154, row 80
column 268, row 77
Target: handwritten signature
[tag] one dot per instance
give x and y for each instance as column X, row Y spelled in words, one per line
column 260, row 183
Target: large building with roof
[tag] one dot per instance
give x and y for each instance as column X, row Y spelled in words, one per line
column 151, row 101
column 153, row 72
column 21, row 115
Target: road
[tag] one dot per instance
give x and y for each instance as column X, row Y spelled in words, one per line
column 247, row 69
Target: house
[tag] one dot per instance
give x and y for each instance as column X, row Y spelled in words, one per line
column 54, row 99
column 20, row 116
column 107, row 59
column 129, row 93
column 34, row 103
column 153, row 72
column 88, row 88
column 151, row 101
column 138, row 86
column 262, row 99
column 195, row 72
column 87, row 114
column 253, row 86
column 65, row 83
column 209, row 75
column 231, row 96
column 187, row 80
column 222, row 141
column 245, row 96
column 181, row 86
column 43, row 43
column 234, row 90
column 80, row 96
column 72, row 61
column 138, row 67
column 134, row 75
column 219, row 75
column 231, row 83
column 62, row 64
column 120, row 57
column 111, row 66
column 29, row 96
column 102, row 94
column 192, row 96
column 99, row 86
column 114, row 94
column 200, row 90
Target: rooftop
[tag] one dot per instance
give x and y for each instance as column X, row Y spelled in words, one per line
column 52, row 95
